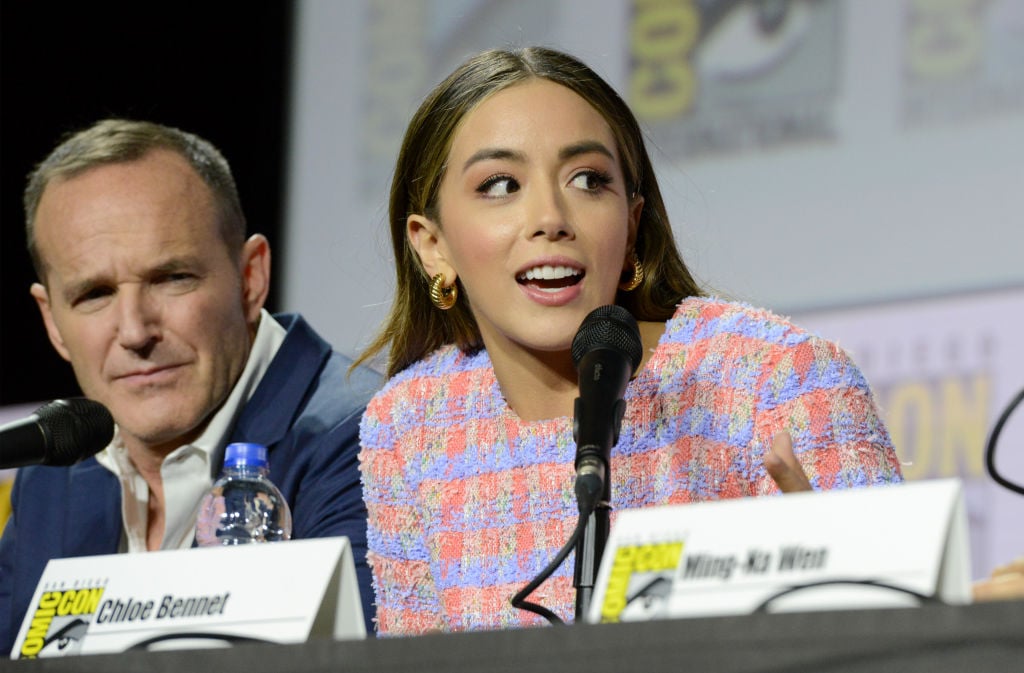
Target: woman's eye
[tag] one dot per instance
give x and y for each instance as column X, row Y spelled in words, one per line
column 498, row 185
column 590, row 180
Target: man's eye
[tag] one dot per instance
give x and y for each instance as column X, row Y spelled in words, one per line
column 498, row 185
column 182, row 281
column 92, row 295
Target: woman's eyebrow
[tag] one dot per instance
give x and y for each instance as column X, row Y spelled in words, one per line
column 585, row 147
column 567, row 152
column 492, row 153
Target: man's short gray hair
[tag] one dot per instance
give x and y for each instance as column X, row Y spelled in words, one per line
column 113, row 141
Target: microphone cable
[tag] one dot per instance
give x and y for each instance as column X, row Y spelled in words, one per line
column 923, row 598
column 990, row 447
column 519, row 600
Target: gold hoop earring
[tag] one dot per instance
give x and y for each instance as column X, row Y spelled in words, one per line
column 441, row 296
column 637, row 277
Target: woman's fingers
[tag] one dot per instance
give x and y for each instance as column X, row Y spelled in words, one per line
column 783, row 466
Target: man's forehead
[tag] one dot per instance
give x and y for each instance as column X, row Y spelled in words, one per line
column 161, row 166
column 153, row 202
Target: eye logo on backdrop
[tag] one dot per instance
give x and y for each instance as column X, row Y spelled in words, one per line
column 961, row 60
column 713, row 77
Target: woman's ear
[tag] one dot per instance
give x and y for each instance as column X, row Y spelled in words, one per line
column 427, row 239
column 636, row 208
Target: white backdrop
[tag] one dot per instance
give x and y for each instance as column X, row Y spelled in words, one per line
column 867, row 151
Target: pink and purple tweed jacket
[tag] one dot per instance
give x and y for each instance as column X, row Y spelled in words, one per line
column 467, row 503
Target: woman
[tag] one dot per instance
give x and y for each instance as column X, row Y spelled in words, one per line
column 523, row 198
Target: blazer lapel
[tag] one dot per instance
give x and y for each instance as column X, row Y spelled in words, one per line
column 93, row 524
column 284, row 388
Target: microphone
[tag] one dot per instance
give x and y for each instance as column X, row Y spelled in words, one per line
column 606, row 352
column 61, row 432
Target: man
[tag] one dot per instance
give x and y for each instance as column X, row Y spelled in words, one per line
column 150, row 289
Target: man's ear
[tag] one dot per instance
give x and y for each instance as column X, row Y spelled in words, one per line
column 427, row 239
column 255, row 275
column 42, row 297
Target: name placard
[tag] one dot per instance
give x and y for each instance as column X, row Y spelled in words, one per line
column 870, row 547
column 282, row 592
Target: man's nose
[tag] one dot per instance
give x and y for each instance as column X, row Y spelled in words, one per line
column 138, row 319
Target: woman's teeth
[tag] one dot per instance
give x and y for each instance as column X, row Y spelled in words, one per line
column 549, row 273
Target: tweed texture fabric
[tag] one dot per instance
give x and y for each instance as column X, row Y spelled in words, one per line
column 467, row 502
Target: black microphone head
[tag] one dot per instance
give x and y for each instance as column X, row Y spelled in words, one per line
column 608, row 326
column 75, row 428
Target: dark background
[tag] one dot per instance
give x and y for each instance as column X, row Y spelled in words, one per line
column 219, row 69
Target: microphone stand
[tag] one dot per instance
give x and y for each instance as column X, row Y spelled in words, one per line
column 590, row 549
column 606, row 350
column 594, row 488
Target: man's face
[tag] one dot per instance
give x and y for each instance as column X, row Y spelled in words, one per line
column 143, row 297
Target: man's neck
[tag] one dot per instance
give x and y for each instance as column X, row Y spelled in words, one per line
column 156, row 515
column 148, row 461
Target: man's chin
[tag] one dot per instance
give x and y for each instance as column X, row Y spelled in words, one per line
column 158, row 436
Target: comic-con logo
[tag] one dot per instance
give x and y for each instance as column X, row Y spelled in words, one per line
column 726, row 76
column 60, row 622
column 640, row 582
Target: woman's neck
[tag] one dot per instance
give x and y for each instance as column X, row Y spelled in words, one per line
column 536, row 385
column 539, row 385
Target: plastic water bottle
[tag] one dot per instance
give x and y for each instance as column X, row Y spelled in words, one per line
column 243, row 505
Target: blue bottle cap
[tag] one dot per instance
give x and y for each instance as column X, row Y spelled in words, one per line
column 245, row 453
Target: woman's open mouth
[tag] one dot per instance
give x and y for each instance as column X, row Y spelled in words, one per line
column 550, row 278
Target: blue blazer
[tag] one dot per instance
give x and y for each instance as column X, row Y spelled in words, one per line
column 304, row 410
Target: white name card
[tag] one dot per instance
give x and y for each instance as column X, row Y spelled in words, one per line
column 736, row 556
column 282, row 592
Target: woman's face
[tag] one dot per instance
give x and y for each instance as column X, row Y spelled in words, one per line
column 535, row 219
